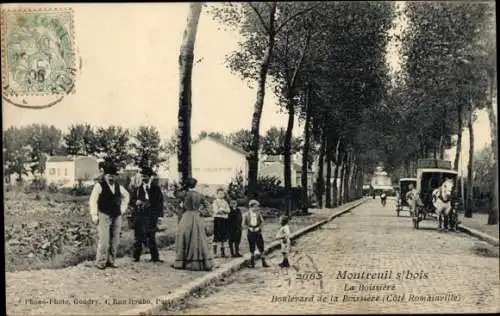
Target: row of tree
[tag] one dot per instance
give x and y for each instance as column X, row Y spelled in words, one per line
column 326, row 63
column 26, row 148
column 272, row 142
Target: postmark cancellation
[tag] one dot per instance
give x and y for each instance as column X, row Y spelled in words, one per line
column 38, row 51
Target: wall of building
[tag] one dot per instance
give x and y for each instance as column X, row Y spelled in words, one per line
column 61, row 173
column 212, row 163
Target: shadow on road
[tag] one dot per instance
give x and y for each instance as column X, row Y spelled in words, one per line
column 485, row 250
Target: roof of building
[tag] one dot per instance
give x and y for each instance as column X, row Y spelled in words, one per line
column 228, row 145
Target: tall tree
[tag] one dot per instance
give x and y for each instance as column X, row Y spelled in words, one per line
column 15, row 152
column 241, row 139
column 273, row 142
column 43, row 140
column 185, row 69
column 113, row 144
column 81, row 140
column 259, row 24
column 148, row 147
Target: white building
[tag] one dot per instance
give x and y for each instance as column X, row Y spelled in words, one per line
column 213, row 162
column 67, row 171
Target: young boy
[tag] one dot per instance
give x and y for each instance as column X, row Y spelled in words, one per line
column 284, row 235
column 252, row 221
column 234, row 229
column 221, row 212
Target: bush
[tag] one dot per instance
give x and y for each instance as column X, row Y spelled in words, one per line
column 236, row 188
column 53, row 188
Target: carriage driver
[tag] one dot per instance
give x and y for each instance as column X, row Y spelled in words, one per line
column 411, row 198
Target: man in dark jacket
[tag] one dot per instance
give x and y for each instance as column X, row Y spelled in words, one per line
column 148, row 202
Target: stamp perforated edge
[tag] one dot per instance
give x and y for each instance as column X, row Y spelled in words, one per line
column 3, row 28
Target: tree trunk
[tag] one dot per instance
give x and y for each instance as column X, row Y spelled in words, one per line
column 470, row 180
column 345, row 198
column 320, row 183
column 185, row 69
column 328, row 198
column 343, row 175
column 435, row 156
column 287, row 158
column 307, row 142
column 443, row 131
column 459, row 135
column 253, row 157
column 493, row 211
column 354, row 182
column 335, row 189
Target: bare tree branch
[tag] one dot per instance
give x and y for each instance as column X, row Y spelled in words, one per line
column 301, row 59
column 295, row 15
column 260, row 17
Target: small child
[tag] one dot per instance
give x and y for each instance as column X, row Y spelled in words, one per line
column 253, row 223
column 221, row 212
column 284, row 235
column 234, row 229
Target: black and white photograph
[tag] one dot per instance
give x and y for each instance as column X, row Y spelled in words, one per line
column 250, row 158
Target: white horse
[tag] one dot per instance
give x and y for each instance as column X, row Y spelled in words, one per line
column 441, row 199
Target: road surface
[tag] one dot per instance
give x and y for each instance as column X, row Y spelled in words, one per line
column 369, row 261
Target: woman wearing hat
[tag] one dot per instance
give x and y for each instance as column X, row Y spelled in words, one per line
column 108, row 201
column 191, row 244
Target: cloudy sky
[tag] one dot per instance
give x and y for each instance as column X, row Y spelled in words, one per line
column 130, row 75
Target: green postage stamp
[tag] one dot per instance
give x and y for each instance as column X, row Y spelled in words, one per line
column 38, row 51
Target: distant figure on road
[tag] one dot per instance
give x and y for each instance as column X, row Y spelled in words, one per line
column 284, row 235
column 234, row 221
column 383, row 198
column 148, row 203
column 108, row 201
column 191, row 244
column 253, row 221
column 221, row 212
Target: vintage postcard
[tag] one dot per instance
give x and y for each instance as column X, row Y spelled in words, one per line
column 324, row 157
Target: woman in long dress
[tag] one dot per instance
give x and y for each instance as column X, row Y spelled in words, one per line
column 191, row 244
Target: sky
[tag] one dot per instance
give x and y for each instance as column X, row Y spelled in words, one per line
column 130, row 75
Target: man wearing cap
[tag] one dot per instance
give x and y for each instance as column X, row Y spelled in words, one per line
column 148, row 202
column 108, row 201
column 252, row 221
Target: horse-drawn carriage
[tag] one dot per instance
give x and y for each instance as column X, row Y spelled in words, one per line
column 437, row 195
column 402, row 203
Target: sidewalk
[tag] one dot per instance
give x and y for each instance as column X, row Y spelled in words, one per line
column 82, row 289
column 479, row 222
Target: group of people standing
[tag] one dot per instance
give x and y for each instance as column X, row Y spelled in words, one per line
column 110, row 200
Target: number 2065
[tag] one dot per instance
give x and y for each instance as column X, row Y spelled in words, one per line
column 310, row 276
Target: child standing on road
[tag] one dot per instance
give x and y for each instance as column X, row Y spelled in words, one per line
column 234, row 229
column 253, row 223
column 221, row 210
column 284, row 235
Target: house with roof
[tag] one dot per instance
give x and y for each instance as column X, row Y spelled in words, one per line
column 274, row 166
column 67, row 171
column 214, row 162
